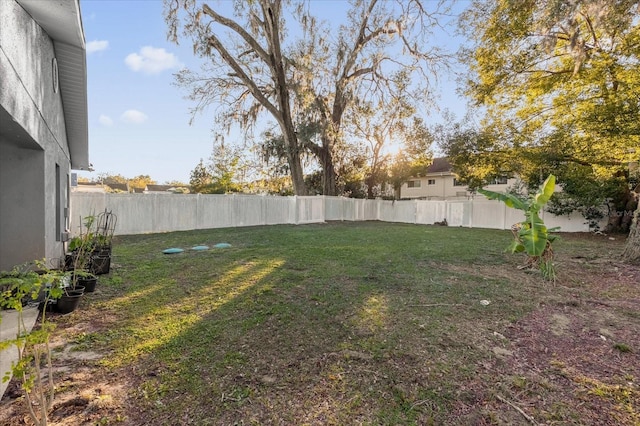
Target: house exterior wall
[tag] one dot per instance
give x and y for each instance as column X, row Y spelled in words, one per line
column 442, row 187
column 34, row 153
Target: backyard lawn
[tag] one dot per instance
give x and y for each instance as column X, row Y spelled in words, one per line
column 349, row 323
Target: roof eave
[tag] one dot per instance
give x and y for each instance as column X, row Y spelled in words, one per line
column 62, row 21
column 72, row 72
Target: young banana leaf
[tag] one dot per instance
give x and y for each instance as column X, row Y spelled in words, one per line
column 509, row 200
column 544, row 193
column 533, row 234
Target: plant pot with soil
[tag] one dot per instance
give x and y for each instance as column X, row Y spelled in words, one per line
column 72, row 292
column 100, row 263
column 69, row 301
column 85, row 280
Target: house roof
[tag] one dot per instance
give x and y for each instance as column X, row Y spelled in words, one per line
column 124, row 187
column 159, row 188
column 62, row 21
column 440, row 165
column 88, row 187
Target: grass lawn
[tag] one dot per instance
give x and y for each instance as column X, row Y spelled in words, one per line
column 351, row 323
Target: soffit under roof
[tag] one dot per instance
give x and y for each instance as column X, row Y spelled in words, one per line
column 62, row 21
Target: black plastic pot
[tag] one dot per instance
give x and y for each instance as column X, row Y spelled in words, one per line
column 100, row 264
column 51, row 305
column 89, row 283
column 68, row 262
column 69, row 301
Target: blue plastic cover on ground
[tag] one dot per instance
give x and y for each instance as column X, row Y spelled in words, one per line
column 223, row 245
column 172, row 250
column 200, row 248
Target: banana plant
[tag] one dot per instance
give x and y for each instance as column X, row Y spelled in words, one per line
column 531, row 235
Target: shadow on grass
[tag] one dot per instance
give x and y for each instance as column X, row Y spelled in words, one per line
column 326, row 324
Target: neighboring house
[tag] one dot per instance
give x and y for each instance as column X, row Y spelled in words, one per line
column 97, row 187
column 43, row 125
column 165, row 189
column 94, row 187
column 117, row 187
column 441, row 183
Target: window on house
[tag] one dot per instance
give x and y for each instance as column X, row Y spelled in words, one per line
column 58, row 204
column 413, row 184
column 456, row 182
column 431, row 182
column 501, row 180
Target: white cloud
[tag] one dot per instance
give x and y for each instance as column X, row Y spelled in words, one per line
column 97, row 46
column 152, row 60
column 105, row 120
column 133, row 116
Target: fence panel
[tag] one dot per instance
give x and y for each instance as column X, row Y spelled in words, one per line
column 333, row 208
column 458, row 213
column 431, row 211
column 173, row 212
column 310, row 209
column 488, row 214
column 247, row 210
column 146, row 213
column 398, row 211
column 215, row 211
column 349, row 209
column 89, row 205
column 279, row 210
column 572, row 223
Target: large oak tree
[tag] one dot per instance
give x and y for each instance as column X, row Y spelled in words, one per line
column 560, row 80
column 247, row 71
column 275, row 56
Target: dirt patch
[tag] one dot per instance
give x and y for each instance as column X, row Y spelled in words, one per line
column 560, row 324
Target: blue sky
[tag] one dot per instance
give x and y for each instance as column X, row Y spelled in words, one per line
column 138, row 120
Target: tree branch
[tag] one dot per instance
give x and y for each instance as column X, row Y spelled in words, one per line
column 214, row 42
column 231, row 24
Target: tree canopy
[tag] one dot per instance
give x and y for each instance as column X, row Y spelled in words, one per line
column 276, row 57
column 220, row 175
column 560, row 87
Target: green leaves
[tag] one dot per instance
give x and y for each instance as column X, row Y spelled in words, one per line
column 509, row 200
column 560, row 85
column 545, row 193
column 533, row 236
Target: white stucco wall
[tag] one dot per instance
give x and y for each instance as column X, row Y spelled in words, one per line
column 32, row 141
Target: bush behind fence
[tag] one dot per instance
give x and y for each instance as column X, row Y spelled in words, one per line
column 149, row 213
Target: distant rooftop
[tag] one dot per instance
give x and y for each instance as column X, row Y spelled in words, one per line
column 440, row 165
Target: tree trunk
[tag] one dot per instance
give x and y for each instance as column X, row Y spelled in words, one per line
column 329, row 177
column 369, row 184
column 293, row 158
column 271, row 14
column 631, row 253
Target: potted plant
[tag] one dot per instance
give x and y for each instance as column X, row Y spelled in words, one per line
column 105, row 228
column 72, row 292
column 91, row 250
column 24, row 284
column 79, row 260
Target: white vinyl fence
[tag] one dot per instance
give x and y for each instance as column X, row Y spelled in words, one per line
column 149, row 213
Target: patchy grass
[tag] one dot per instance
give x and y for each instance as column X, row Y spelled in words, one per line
column 354, row 323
